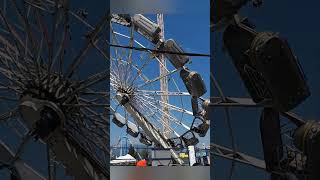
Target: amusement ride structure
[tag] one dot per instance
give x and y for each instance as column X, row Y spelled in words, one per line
column 147, row 95
column 276, row 83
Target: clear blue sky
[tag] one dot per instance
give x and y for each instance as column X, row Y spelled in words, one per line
column 35, row 152
column 190, row 29
column 296, row 21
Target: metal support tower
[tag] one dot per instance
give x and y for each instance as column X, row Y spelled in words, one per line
column 163, row 82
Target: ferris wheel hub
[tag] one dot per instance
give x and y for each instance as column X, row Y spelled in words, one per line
column 124, row 98
column 41, row 116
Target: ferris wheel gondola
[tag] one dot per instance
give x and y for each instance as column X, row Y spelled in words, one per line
column 54, row 95
column 268, row 67
column 143, row 97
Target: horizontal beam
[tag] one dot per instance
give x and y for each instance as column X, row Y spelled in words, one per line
column 238, row 102
column 229, row 154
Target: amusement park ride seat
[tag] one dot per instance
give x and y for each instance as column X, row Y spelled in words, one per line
column 176, row 143
column 200, row 123
column 189, row 138
column 146, row 27
column 194, row 106
column 267, row 66
column 176, row 60
column 205, row 109
column 202, row 129
column 193, row 82
column 307, row 139
column 119, row 120
column 200, row 112
column 145, row 140
column 132, row 129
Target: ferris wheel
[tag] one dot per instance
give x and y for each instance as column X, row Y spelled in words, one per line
column 158, row 102
column 276, row 84
column 53, row 84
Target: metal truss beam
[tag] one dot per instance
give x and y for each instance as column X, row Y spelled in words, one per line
column 227, row 153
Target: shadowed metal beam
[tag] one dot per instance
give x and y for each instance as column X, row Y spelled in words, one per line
column 237, row 156
column 294, row 118
column 25, row 172
column 238, row 102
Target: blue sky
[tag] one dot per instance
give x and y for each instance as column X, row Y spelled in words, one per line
column 35, row 152
column 191, row 31
column 296, row 21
